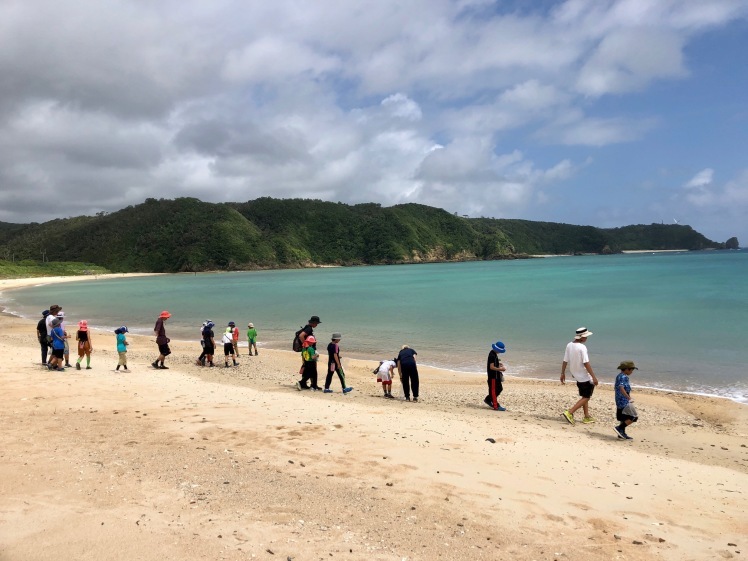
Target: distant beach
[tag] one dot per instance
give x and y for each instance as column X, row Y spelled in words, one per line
column 452, row 312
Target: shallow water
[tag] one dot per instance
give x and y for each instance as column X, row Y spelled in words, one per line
column 681, row 317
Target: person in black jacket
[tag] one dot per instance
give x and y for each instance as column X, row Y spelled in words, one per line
column 41, row 334
column 494, row 370
column 408, row 371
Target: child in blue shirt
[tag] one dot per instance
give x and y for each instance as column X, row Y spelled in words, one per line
column 58, row 345
column 122, row 347
column 623, row 398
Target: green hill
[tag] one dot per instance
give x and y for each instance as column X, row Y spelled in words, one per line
column 186, row 234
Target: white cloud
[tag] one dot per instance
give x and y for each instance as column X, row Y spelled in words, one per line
column 628, row 60
column 400, row 105
column 701, row 179
column 437, row 101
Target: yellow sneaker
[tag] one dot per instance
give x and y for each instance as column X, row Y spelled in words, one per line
column 569, row 417
column 588, row 420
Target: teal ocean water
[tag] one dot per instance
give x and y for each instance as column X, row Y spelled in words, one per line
column 681, row 316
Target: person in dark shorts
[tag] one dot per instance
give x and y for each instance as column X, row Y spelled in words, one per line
column 209, row 345
column 201, row 359
column 162, row 341
column 408, row 371
column 623, row 399
column 228, row 346
column 58, row 346
column 334, row 366
column 578, row 362
column 41, row 335
column 494, row 370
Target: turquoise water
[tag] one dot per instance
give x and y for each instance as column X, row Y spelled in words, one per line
column 681, row 317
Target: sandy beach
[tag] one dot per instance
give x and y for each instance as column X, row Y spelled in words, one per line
column 196, row 463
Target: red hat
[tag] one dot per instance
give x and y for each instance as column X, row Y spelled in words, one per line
column 165, row 315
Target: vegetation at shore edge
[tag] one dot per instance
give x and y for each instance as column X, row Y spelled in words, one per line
column 186, row 234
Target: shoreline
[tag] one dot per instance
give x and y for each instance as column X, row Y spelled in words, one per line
column 20, row 283
column 234, row 463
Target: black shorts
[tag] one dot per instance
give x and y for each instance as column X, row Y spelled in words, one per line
column 164, row 349
column 228, row 349
column 209, row 349
column 585, row 389
column 58, row 353
column 621, row 417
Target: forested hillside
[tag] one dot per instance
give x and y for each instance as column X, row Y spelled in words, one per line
column 190, row 235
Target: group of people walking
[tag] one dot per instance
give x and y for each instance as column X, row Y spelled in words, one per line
column 53, row 337
column 577, row 361
column 306, row 343
column 53, row 340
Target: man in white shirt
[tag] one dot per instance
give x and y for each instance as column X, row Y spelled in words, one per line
column 578, row 361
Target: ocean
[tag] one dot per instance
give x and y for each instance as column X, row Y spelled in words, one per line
column 680, row 316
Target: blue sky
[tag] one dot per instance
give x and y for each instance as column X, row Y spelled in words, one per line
column 604, row 112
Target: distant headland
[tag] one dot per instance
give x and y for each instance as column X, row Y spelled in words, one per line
column 186, row 234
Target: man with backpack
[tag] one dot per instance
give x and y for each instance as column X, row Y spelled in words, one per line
column 298, row 345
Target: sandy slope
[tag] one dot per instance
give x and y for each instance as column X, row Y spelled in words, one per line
column 192, row 463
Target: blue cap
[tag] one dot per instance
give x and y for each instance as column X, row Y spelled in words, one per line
column 45, row 313
column 499, row 347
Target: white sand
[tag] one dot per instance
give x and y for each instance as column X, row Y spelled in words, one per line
column 196, row 463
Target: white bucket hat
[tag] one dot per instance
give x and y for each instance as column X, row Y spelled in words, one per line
column 582, row 333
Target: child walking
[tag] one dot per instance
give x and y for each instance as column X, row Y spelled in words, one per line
column 228, row 346
column 385, row 371
column 209, row 345
column 625, row 411
column 310, row 357
column 58, row 346
column 122, row 347
column 251, row 338
column 66, row 349
column 495, row 371
column 234, row 338
column 85, row 346
column 334, row 365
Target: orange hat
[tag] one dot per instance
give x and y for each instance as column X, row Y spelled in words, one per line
column 83, row 325
column 164, row 315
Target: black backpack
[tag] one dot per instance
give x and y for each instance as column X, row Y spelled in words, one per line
column 297, row 344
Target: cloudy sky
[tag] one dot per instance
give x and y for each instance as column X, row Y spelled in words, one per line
column 602, row 112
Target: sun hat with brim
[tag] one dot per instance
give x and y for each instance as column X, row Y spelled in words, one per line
column 582, row 332
column 56, row 322
column 60, row 314
column 45, row 313
column 627, row 365
column 336, row 336
column 164, row 315
column 499, row 347
column 83, row 325
column 315, row 319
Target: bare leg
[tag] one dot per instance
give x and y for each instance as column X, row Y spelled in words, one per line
column 581, row 403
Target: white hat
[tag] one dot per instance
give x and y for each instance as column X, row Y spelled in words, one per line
column 582, row 333
column 60, row 314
